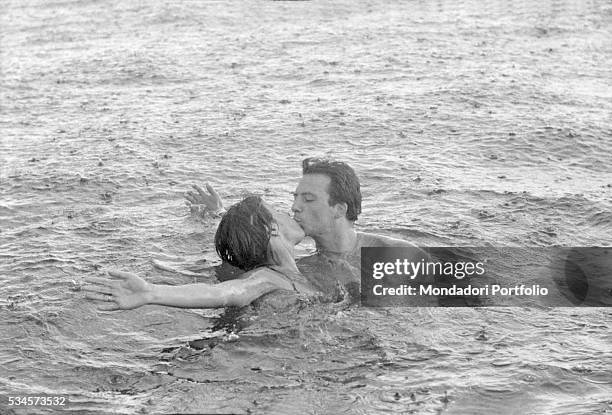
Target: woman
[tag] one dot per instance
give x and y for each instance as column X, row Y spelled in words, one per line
column 251, row 236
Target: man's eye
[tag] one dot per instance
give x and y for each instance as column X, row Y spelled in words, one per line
column 309, row 199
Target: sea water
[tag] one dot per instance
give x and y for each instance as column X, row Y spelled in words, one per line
column 468, row 122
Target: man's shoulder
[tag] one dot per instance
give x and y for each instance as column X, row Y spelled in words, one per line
column 371, row 240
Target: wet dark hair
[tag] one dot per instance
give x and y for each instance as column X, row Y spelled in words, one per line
column 344, row 186
column 243, row 235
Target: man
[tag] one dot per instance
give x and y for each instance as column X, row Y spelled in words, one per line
column 327, row 202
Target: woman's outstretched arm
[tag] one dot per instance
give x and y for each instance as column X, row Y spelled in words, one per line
column 126, row 291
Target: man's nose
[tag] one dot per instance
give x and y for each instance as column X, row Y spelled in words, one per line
column 295, row 206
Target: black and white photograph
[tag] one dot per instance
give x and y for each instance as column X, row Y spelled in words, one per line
column 306, row 207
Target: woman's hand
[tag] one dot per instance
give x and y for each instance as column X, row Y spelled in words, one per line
column 125, row 292
column 201, row 202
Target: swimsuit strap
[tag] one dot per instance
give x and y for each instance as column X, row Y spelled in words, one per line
column 274, row 268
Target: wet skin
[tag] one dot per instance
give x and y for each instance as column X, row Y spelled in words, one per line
column 311, row 207
column 289, row 229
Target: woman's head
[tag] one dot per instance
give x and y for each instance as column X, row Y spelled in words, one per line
column 243, row 236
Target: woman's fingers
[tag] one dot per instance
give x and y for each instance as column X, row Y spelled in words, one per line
column 97, row 289
column 98, row 280
column 201, row 191
column 121, row 274
column 99, row 297
column 212, row 191
column 194, row 196
column 190, row 197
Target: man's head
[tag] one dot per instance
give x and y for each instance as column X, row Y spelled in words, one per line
column 243, row 235
column 328, row 192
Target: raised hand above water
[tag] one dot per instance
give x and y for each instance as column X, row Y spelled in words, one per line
column 201, row 202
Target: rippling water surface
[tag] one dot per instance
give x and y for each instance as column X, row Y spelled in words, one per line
column 468, row 122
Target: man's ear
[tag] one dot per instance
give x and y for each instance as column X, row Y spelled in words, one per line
column 340, row 210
